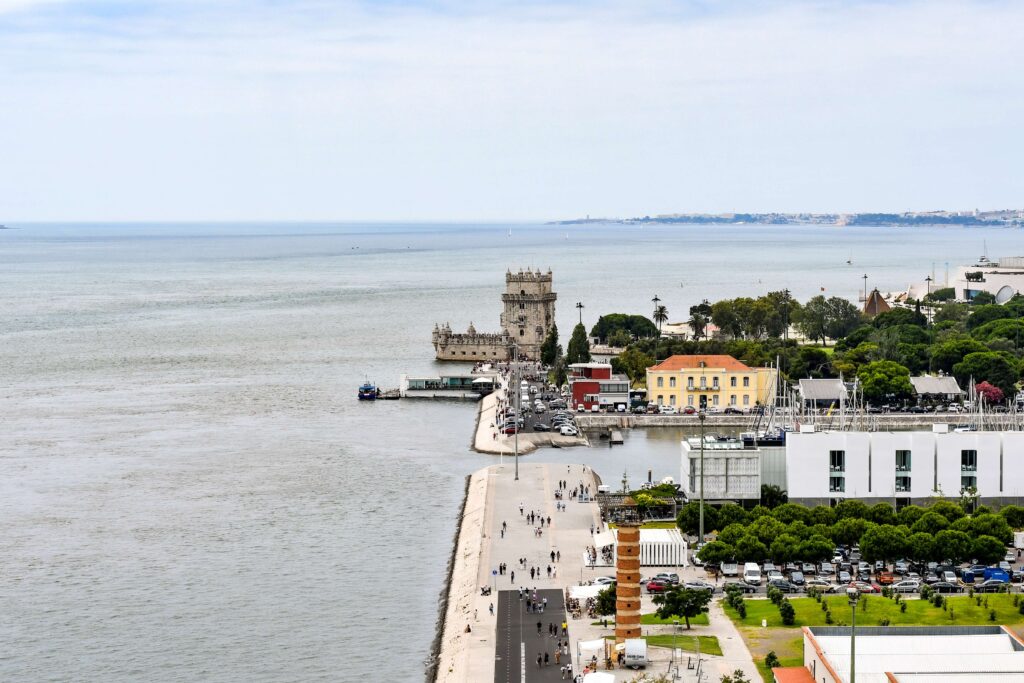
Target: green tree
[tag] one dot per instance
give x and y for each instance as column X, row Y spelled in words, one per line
column 816, row 549
column 883, row 513
column 559, row 373
column 633, row 363
column 549, row 350
column 605, row 603
column 930, row 523
column 885, row 379
column 633, row 325
column 689, row 518
column 899, row 316
column 822, row 515
column 785, row 548
column 736, row 676
column 955, row 546
column 579, row 346
column 843, row 317
column 992, row 525
column 919, row 547
column 983, row 299
column 682, row 602
column 951, row 312
column 910, row 514
column 987, row 550
column 732, row 533
column 813, row 320
column 731, row 513
column 883, row 542
column 750, row 549
column 767, row 529
column 942, row 294
column 717, row 552
column 985, row 314
column 990, row 366
column 947, row 354
column 1014, row 515
column 852, row 508
column 849, row 530
column 948, row 509
column 788, row 513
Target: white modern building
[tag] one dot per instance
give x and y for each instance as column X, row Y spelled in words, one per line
column 912, row 654
column 825, row 467
column 904, row 467
column 1002, row 279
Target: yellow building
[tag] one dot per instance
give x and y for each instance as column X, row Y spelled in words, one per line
column 709, row 381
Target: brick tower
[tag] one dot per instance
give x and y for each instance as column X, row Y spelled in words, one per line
column 627, row 572
column 529, row 309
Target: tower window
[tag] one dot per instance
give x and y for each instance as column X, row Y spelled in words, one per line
column 522, row 292
column 522, row 333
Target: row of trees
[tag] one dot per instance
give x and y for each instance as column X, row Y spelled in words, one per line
column 793, row 532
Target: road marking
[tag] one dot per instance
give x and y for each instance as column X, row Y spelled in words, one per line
column 522, row 662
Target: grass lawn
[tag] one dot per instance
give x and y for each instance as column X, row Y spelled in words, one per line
column 787, row 642
column 708, row 644
column 652, row 619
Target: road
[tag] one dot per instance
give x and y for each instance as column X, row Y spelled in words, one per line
column 519, row 640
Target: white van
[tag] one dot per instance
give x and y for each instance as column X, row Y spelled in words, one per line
column 636, row 653
column 730, row 569
column 752, row 574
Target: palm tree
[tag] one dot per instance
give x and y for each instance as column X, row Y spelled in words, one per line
column 660, row 316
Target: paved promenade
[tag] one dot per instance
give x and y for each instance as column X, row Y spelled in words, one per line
column 487, row 653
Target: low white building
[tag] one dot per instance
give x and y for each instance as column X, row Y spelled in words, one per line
column 732, row 472
column 913, row 654
column 904, row 467
column 1002, row 279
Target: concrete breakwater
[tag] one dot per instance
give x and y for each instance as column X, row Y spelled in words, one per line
column 451, row 645
column 590, row 421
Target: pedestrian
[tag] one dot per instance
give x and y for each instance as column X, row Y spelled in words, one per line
column 549, row 571
column 539, row 626
column 546, row 660
column 552, row 555
column 558, row 656
column 474, row 616
column 562, row 670
column 565, row 628
column 512, row 577
column 558, row 556
column 520, row 508
column 531, row 572
column 549, row 521
column 491, row 607
column 503, row 533
column 539, row 659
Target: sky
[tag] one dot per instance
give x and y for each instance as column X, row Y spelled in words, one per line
column 422, row 110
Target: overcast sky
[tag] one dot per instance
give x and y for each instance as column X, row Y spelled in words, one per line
column 434, row 110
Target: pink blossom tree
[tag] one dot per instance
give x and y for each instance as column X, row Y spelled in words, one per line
column 993, row 395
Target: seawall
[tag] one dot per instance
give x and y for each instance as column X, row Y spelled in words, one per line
column 451, row 646
column 872, row 422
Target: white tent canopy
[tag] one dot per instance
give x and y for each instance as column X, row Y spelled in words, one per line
column 590, row 645
column 604, row 538
column 584, row 592
column 658, row 547
column 599, row 677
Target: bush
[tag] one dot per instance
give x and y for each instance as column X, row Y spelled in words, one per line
column 991, row 615
column 937, row 600
column 771, row 660
column 1021, row 608
column 787, row 612
column 741, row 609
column 775, row 595
column 903, row 607
column 828, row 617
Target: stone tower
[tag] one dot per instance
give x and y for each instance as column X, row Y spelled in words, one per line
column 627, row 572
column 529, row 310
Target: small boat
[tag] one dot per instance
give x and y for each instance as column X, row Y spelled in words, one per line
column 368, row 392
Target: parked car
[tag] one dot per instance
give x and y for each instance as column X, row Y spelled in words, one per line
column 745, row 587
column 604, row 580
column 699, row 586
column 826, row 568
column 865, row 587
column 797, row 578
column 992, row 586
column 807, row 568
column 886, row 578
column 541, row 427
column 947, row 587
column 844, row 577
column 906, row 587
column 730, row 569
column 657, row 586
column 732, row 411
column 783, row 585
column 774, row 575
column 667, row 410
column 568, row 430
column 689, row 410
column 900, row 568
column 672, row 578
column 820, row 585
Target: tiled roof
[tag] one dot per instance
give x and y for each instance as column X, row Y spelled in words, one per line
column 690, row 362
column 792, row 674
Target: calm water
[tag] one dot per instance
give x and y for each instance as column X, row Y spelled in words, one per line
column 190, row 491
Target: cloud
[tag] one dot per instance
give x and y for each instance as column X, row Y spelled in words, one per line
column 447, row 110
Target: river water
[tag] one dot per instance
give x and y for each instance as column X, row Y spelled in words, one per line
column 189, row 489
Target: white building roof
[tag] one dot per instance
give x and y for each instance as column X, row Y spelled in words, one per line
column 926, row 384
column 926, row 657
column 822, row 389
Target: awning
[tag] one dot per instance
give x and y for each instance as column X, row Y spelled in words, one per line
column 483, row 380
column 599, row 677
column 590, row 646
column 604, row 538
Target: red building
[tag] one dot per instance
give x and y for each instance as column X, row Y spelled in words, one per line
column 593, row 384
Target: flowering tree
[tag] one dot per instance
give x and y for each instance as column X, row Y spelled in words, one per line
column 993, row 395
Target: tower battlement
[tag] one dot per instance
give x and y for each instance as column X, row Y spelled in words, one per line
column 528, row 314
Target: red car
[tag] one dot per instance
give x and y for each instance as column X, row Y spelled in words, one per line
column 511, row 429
column 689, row 410
column 655, row 586
column 864, row 587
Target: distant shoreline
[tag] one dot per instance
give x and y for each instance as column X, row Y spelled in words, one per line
column 1012, row 218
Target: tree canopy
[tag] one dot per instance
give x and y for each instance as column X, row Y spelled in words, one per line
column 682, row 602
column 634, row 325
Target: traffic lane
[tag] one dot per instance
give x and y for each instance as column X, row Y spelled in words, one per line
column 520, row 640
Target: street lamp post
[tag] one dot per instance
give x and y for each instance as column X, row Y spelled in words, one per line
column 854, row 595
column 579, row 305
column 675, row 630
column 701, row 416
column 865, row 287
column 928, row 280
